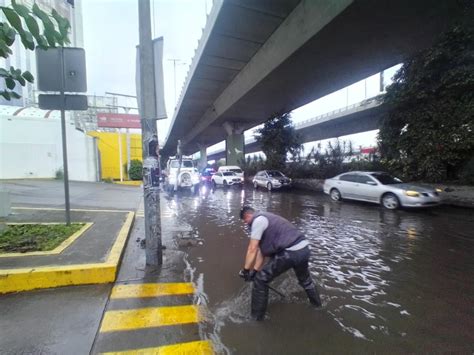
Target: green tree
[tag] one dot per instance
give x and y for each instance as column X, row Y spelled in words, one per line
column 34, row 28
column 428, row 133
column 277, row 138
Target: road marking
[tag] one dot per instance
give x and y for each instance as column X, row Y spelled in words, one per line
column 148, row 318
column 151, row 290
column 201, row 347
column 58, row 250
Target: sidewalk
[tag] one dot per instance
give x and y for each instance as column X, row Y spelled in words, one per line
column 92, row 258
column 146, row 309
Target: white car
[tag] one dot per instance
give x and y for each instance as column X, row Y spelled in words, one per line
column 226, row 178
column 186, row 177
column 381, row 188
column 232, row 168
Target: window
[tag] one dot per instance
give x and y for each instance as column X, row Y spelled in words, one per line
column 275, row 174
column 238, row 171
column 349, row 177
column 260, row 174
column 184, row 164
column 364, row 179
column 228, row 173
column 386, row 179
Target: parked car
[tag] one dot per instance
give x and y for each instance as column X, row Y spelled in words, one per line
column 381, row 188
column 271, row 179
column 226, row 178
column 233, row 168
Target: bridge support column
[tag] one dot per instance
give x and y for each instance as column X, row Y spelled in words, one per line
column 234, row 145
column 202, row 164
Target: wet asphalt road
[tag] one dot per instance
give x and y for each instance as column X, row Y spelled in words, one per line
column 391, row 281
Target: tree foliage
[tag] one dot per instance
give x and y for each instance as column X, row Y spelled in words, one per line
column 428, row 133
column 277, row 138
column 34, row 28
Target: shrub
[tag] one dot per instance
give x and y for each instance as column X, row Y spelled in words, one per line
column 135, row 171
column 59, row 175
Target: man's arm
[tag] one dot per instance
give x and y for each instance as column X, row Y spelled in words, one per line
column 252, row 253
column 259, row 261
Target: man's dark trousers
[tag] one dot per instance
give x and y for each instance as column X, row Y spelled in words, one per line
column 278, row 264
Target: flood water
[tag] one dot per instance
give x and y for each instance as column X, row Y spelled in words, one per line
column 390, row 281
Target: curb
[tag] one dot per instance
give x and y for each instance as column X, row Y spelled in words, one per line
column 18, row 280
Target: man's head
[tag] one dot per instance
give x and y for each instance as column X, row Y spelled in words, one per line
column 246, row 214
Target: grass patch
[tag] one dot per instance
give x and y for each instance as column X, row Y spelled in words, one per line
column 24, row 238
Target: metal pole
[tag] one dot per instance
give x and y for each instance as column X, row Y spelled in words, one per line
column 63, row 133
column 151, row 187
column 120, row 154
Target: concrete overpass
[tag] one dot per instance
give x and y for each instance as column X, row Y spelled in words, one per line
column 360, row 117
column 257, row 58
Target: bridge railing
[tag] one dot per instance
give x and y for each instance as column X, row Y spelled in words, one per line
column 364, row 103
column 368, row 102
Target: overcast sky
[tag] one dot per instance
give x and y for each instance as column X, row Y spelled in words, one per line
column 111, row 34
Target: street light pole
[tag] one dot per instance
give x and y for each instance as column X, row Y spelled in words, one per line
column 151, row 185
column 64, row 141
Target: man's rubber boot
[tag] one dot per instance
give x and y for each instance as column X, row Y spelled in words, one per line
column 313, row 297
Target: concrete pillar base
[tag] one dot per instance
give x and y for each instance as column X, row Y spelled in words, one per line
column 235, row 149
column 202, row 164
column 5, row 204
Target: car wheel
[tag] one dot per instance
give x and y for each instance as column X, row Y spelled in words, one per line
column 390, row 201
column 214, row 185
column 335, row 195
column 269, row 186
column 255, row 185
column 225, row 183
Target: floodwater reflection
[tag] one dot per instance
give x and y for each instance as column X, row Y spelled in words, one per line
column 391, row 281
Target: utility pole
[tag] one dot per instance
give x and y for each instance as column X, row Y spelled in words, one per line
column 174, row 60
column 151, row 185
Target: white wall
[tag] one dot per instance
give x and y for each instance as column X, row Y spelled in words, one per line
column 31, row 148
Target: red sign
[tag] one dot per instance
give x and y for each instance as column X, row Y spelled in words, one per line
column 118, row 120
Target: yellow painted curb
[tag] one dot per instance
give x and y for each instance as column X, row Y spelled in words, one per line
column 201, row 347
column 58, row 250
column 72, row 209
column 17, row 280
column 129, row 182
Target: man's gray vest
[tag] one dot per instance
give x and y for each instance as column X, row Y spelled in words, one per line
column 279, row 235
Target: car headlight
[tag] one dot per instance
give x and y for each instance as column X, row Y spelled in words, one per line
column 438, row 190
column 412, row 193
column 275, row 181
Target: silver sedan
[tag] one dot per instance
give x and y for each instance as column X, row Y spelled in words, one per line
column 382, row 188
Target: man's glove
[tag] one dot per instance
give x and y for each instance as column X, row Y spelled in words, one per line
column 247, row 275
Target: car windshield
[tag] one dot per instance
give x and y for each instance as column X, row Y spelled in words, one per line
column 184, row 164
column 236, row 170
column 386, row 179
column 274, row 173
column 228, row 173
